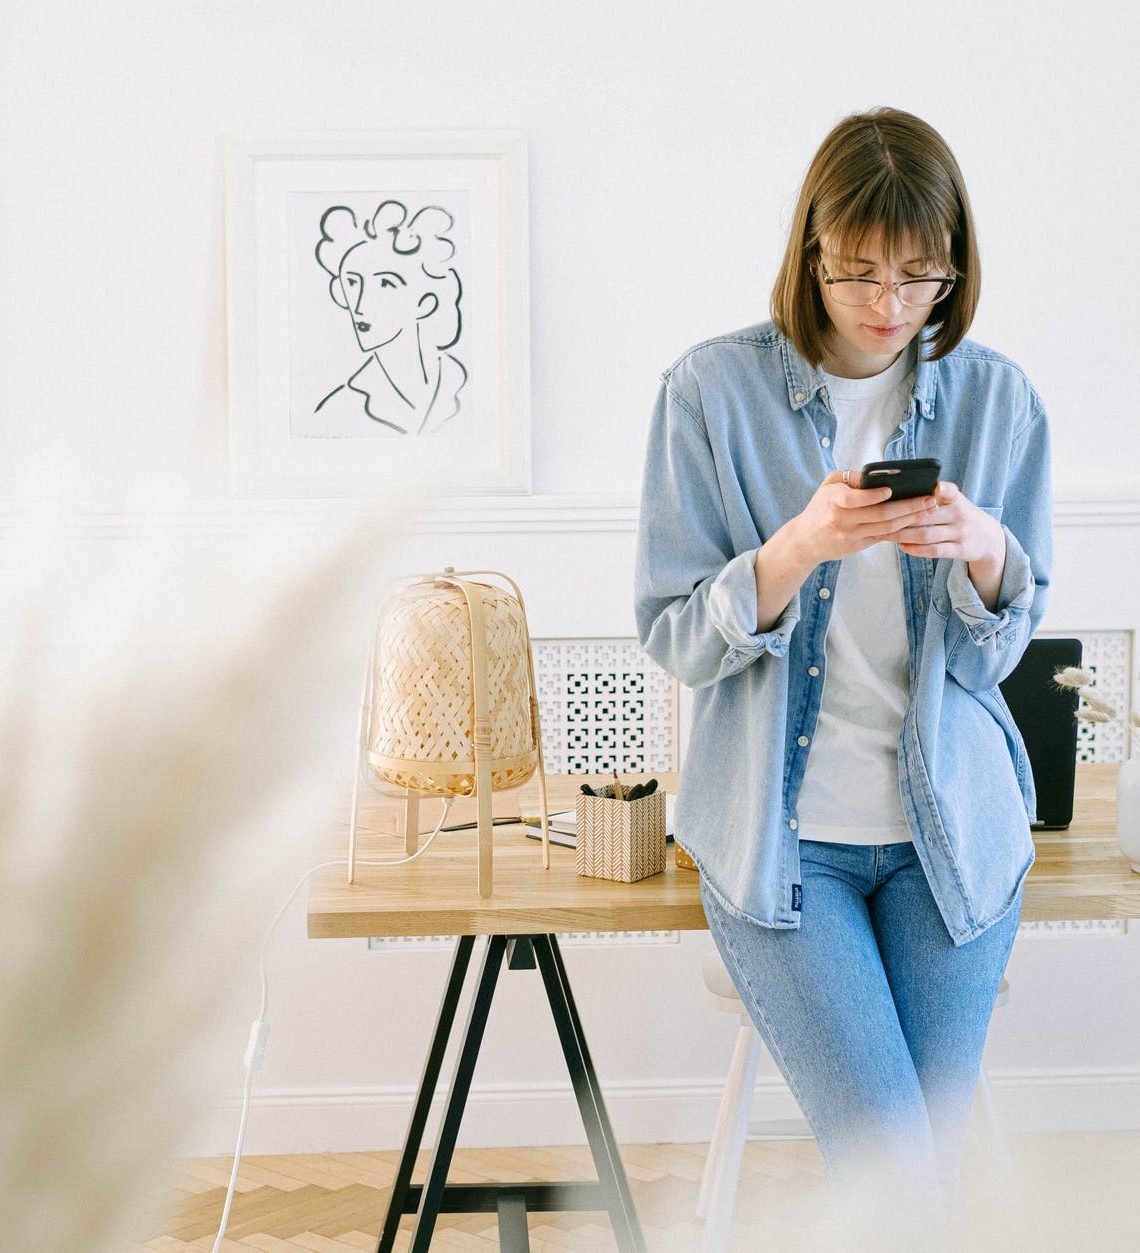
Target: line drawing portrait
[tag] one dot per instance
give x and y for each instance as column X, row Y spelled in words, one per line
column 377, row 301
column 394, row 276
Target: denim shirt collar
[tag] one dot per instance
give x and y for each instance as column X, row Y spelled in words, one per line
column 804, row 381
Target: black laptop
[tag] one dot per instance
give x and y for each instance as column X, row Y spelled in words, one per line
column 1046, row 717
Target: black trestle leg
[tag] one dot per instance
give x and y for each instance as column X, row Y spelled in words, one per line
column 511, row 1201
column 587, row 1090
column 432, row 1193
column 514, row 1237
column 397, row 1204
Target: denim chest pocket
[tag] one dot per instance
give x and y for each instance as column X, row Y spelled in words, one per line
column 939, row 597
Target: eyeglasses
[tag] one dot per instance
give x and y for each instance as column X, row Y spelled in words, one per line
column 916, row 293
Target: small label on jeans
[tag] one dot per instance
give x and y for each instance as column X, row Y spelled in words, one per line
column 797, row 896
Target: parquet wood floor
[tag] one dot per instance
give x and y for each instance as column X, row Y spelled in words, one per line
column 335, row 1202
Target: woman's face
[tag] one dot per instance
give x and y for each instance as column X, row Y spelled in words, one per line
column 867, row 339
column 382, row 291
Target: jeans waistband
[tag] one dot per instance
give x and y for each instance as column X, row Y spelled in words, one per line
column 870, row 865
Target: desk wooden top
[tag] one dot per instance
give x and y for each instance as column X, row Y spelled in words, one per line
column 1078, row 874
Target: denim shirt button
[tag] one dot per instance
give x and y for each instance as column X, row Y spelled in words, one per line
column 800, row 398
column 802, row 741
column 825, row 442
column 813, row 671
column 793, row 824
column 824, row 593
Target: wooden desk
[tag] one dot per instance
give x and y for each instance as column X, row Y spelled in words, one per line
column 1078, row 874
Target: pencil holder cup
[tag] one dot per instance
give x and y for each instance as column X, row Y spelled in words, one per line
column 622, row 840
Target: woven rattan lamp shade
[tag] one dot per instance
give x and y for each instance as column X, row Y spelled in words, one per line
column 451, row 707
column 422, row 719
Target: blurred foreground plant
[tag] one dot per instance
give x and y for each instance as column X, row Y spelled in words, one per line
column 173, row 731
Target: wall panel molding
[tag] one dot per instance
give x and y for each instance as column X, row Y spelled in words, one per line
column 595, row 513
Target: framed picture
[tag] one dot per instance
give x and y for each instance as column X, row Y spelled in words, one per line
column 378, row 313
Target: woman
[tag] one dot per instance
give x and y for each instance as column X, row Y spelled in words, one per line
column 855, row 792
column 392, row 275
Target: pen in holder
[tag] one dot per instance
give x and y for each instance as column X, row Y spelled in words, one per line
column 620, row 839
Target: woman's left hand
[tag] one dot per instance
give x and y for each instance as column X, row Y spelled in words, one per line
column 957, row 528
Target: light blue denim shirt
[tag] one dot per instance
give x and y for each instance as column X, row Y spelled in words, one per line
column 740, row 440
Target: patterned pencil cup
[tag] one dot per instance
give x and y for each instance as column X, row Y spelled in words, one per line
column 622, row 840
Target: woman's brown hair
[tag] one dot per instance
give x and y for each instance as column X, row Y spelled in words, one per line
column 883, row 174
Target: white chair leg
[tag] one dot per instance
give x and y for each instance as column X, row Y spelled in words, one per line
column 996, row 1140
column 726, row 1149
column 725, row 1114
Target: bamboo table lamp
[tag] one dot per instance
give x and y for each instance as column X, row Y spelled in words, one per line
column 450, row 705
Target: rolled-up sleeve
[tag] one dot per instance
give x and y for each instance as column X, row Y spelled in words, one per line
column 694, row 596
column 733, row 606
column 984, row 646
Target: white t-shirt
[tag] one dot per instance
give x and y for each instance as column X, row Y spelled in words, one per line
column 850, row 791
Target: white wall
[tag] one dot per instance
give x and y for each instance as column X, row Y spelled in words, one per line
column 667, row 141
column 666, row 144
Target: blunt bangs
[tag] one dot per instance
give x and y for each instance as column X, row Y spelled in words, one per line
column 885, row 214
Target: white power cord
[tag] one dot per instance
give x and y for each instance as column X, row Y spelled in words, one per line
column 259, row 1028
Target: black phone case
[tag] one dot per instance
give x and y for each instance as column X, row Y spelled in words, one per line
column 912, row 477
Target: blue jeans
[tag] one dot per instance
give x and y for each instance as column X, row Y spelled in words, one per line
column 875, row 1019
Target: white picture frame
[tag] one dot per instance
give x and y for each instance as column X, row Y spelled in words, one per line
column 378, row 313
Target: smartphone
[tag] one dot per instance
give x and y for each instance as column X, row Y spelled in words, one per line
column 914, row 476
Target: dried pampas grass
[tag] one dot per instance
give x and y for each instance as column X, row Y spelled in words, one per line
column 1094, row 708
column 1093, row 701
column 176, row 727
column 1072, row 676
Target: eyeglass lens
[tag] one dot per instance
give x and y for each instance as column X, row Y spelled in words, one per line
column 856, row 291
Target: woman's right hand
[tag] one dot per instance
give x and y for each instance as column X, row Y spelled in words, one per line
column 841, row 519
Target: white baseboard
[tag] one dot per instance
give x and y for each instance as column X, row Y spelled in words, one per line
column 323, row 1120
